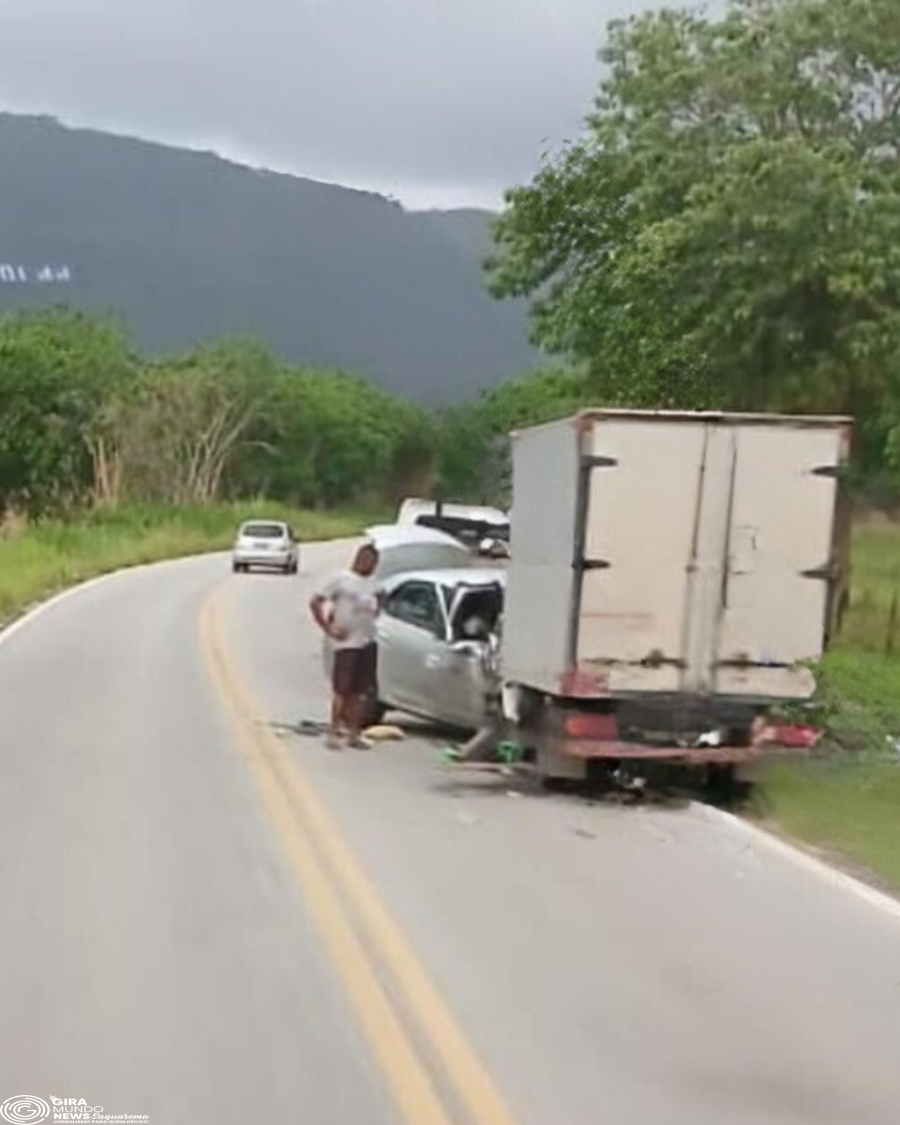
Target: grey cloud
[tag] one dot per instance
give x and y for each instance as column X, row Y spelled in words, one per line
column 433, row 100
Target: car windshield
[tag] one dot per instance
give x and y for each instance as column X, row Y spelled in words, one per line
column 478, row 611
column 263, row 530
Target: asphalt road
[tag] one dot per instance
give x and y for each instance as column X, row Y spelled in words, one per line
column 209, row 918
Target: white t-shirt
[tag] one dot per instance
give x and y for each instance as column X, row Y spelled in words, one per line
column 354, row 608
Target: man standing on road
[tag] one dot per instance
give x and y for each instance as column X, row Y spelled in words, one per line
column 346, row 609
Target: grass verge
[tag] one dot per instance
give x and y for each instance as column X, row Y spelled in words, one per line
column 38, row 561
column 845, row 800
column 847, row 810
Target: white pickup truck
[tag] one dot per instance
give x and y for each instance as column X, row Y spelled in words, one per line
column 673, row 576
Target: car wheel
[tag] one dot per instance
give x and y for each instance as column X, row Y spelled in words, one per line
column 236, row 568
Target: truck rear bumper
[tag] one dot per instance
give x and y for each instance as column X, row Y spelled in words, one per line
column 586, row 749
column 721, row 734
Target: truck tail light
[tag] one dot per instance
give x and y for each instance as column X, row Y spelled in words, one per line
column 587, row 724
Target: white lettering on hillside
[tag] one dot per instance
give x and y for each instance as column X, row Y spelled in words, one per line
column 12, row 273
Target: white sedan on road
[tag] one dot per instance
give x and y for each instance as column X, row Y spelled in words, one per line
column 432, row 632
column 266, row 544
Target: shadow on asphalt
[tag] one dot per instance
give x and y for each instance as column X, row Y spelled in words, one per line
column 662, row 788
column 502, row 785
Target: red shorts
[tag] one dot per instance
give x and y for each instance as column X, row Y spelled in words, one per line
column 355, row 672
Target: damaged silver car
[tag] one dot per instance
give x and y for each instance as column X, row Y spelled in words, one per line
column 435, row 633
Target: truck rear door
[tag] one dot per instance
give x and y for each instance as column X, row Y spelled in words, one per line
column 780, row 557
column 639, row 527
column 707, row 553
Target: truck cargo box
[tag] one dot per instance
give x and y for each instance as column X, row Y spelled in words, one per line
column 659, row 553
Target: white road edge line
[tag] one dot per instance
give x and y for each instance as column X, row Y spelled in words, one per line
column 751, row 832
column 838, row 880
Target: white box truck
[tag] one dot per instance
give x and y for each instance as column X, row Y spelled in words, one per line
column 673, row 576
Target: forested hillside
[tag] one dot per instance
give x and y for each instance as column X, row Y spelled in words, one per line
column 185, row 247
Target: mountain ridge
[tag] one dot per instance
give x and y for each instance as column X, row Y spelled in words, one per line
column 185, row 246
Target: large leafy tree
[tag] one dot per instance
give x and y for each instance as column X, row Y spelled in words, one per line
column 365, row 443
column 58, row 369
column 474, row 438
column 329, row 437
column 181, row 426
column 727, row 231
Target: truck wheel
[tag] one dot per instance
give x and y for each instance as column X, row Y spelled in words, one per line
column 601, row 775
column 721, row 784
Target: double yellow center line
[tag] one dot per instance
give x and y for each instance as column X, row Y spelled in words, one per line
column 339, row 893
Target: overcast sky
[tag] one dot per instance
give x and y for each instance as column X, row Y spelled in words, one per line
column 438, row 102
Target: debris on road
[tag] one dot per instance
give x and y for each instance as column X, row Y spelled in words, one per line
column 792, row 736
column 311, row 728
column 385, row 733
column 505, row 753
